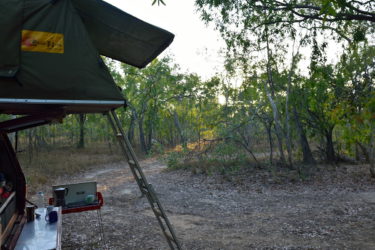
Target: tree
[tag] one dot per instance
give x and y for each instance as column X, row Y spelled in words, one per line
column 81, row 142
column 355, row 114
column 150, row 91
column 349, row 19
column 321, row 101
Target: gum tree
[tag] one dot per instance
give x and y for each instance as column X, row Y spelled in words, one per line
column 263, row 30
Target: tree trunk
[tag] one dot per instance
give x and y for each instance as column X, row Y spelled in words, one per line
column 149, row 137
column 108, row 138
column 269, row 134
column 330, row 150
column 179, row 129
column 278, row 129
column 357, row 156
column 365, row 152
column 288, row 137
column 30, row 143
column 142, row 135
column 287, row 115
column 81, row 142
column 280, row 144
column 131, row 127
column 275, row 111
column 306, row 151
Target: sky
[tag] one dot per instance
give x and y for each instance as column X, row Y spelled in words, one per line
column 195, row 47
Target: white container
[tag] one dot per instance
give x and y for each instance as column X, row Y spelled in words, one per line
column 40, row 200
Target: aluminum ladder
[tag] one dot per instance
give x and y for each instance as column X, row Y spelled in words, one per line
column 146, row 188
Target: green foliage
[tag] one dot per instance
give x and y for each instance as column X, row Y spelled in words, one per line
column 355, row 113
column 173, row 159
column 237, row 19
column 214, row 157
column 271, row 91
column 216, row 126
column 157, row 148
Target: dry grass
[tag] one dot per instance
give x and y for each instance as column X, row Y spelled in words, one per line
column 47, row 166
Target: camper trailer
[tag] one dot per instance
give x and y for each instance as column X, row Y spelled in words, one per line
column 51, row 66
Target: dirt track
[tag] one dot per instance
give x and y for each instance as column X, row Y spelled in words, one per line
column 212, row 213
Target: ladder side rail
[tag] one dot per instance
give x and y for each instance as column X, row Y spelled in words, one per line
column 115, row 130
column 164, row 229
column 144, row 186
column 129, row 146
column 164, row 215
column 127, row 156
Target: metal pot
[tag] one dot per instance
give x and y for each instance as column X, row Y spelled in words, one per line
column 60, row 194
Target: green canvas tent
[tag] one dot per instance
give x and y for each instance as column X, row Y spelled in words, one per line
column 50, row 66
column 50, row 54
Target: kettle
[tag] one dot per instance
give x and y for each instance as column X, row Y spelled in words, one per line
column 60, row 194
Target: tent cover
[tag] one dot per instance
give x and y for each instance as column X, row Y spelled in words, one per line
column 50, row 54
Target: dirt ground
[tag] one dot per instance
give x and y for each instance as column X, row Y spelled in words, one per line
column 335, row 211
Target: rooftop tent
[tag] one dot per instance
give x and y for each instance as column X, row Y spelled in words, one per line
column 50, row 54
column 121, row 36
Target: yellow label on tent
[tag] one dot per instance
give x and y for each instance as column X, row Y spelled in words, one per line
column 39, row 41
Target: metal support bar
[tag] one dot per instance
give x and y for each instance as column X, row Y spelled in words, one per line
column 142, row 182
column 101, row 228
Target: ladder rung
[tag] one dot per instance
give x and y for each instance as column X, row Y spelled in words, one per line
column 119, row 135
column 167, row 234
column 157, row 212
column 131, row 162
